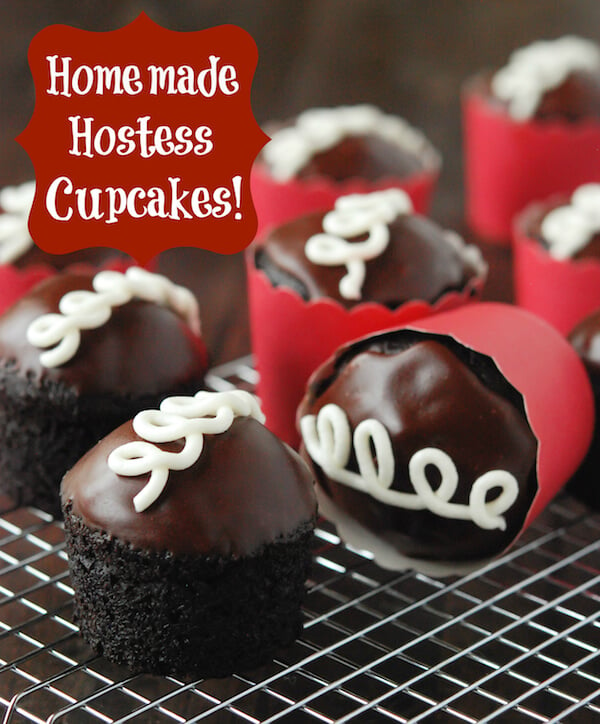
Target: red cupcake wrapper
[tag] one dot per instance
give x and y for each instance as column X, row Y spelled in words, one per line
column 291, row 338
column 561, row 292
column 547, row 372
column 509, row 164
column 277, row 202
column 14, row 283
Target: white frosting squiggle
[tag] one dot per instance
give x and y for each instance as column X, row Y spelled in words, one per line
column 83, row 309
column 179, row 418
column 319, row 129
column 15, row 202
column 329, row 442
column 540, row 67
column 568, row 229
column 354, row 215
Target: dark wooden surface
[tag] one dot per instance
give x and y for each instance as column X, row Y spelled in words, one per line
column 407, row 56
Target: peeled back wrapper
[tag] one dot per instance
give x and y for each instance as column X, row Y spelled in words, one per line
column 558, row 401
column 279, row 201
column 508, row 164
column 562, row 292
column 291, row 337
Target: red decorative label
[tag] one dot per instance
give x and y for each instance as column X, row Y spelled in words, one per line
column 142, row 139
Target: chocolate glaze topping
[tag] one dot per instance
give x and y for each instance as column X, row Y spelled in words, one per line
column 94, row 256
column 533, row 219
column 143, row 349
column 418, row 263
column 246, row 489
column 585, row 338
column 573, row 101
column 429, row 391
column 366, row 157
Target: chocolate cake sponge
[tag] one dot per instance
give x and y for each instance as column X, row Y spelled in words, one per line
column 45, row 427
column 50, row 416
column 209, row 579
column 186, row 615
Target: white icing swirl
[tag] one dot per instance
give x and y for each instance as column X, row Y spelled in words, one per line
column 534, row 70
column 354, row 215
column 83, row 309
column 568, row 229
column 329, row 442
column 319, row 129
column 15, row 202
column 179, row 418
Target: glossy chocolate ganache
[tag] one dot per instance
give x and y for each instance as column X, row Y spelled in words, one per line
column 585, row 338
column 367, row 157
column 142, row 348
column 567, row 227
column 346, row 142
column 413, row 436
column 552, row 80
column 420, row 261
column 244, row 489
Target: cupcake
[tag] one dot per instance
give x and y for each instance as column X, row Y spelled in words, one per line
column 79, row 355
column 328, row 152
column 188, row 532
column 22, row 263
column 326, row 278
column 532, row 129
column 557, row 257
column 435, row 446
column 585, row 339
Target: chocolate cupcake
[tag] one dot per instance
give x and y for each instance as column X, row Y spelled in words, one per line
column 22, row 263
column 557, row 257
column 326, row 278
column 549, row 81
column 327, row 254
column 425, row 450
column 188, row 532
column 79, row 355
column 532, row 129
column 328, row 152
column 585, row 339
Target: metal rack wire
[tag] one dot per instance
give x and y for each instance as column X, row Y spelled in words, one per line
column 516, row 641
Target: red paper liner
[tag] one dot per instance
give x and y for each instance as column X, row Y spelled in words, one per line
column 277, row 202
column 291, row 338
column 14, row 282
column 546, row 370
column 509, row 164
column 561, row 292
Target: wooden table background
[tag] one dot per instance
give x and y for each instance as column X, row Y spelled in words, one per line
column 407, row 56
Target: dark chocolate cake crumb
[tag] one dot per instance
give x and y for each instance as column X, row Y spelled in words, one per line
column 185, row 615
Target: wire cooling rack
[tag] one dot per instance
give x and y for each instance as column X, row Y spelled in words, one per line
column 516, row 641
